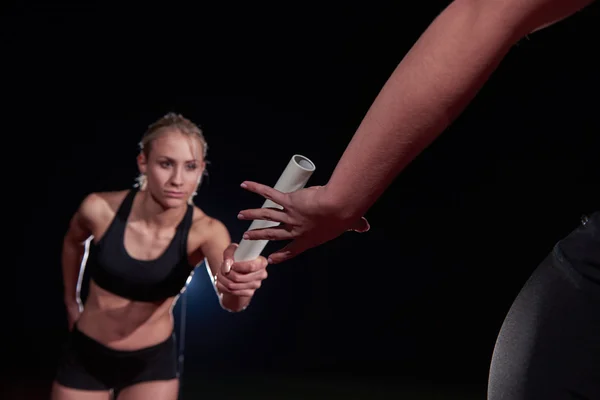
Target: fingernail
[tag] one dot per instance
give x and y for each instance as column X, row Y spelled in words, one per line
column 240, row 216
column 244, row 185
column 270, row 260
column 228, row 264
column 246, row 236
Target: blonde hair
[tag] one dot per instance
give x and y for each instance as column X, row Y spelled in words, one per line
column 168, row 122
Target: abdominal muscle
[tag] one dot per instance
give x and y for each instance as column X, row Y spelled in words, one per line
column 122, row 324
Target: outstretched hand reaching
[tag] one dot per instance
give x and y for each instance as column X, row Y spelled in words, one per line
column 306, row 218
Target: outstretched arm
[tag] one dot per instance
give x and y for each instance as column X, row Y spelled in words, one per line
column 236, row 287
column 430, row 87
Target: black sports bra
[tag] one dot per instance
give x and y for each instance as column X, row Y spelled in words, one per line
column 114, row 270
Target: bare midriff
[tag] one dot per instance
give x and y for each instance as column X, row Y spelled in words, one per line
column 123, row 324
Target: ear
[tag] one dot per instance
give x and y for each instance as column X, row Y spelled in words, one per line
column 142, row 162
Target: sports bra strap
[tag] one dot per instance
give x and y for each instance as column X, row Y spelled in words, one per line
column 125, row 207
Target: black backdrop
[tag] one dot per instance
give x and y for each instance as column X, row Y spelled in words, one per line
column 419, row 298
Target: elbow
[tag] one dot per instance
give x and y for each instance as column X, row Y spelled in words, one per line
column 527, row 16
column 557, row 11
column 70, row 245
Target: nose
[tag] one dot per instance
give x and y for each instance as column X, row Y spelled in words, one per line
column 177, row 178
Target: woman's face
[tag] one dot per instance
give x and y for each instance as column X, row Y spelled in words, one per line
column 173, row 167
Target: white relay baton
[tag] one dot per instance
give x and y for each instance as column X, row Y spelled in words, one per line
column 294, row 177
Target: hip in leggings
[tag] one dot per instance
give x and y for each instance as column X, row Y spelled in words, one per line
column 549, row 345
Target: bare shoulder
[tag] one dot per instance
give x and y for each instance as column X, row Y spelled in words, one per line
column 206, row 237
column 204, row 225
column 98, row 206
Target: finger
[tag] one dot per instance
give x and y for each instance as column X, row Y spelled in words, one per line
column 266, row 191
column 288, row 252
column 237, row 286
column 361, row 226
column 237, row 276
column 230, row 251
column 228, row 258
column 221, row 288
column 247, row 267
column 281, row 232
column 237, row 289
column 265, row 214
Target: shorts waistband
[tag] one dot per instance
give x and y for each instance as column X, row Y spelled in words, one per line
column 89, row 342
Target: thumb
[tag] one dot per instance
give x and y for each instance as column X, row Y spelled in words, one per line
column 361, row 225
column 228, row 257
column 288, row 252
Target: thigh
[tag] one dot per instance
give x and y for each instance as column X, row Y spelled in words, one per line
column 549, row 347
column 156, row 390
column 60, row 392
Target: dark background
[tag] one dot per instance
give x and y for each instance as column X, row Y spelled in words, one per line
column 413, row 306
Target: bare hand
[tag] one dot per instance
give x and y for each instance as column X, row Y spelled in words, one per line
column 306, row 218
column 240, row 278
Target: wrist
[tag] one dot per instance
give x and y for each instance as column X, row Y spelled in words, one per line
column 338, row 206
column 233, row 303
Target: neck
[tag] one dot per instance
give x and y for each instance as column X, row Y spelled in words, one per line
column 155, row 214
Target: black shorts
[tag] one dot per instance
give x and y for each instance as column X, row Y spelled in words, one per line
column 89, row 365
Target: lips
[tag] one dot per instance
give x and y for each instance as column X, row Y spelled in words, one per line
column 177, row 195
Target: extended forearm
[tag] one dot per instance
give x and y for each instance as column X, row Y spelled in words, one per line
column 72, row 256
column 432, row 84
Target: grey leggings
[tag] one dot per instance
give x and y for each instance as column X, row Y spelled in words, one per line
column 549, row 345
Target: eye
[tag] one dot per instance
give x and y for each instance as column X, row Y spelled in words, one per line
column 192, row 166
column 164, row 164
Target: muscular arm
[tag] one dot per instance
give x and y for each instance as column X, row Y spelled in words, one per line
column 73, row 249
column 430, row 87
